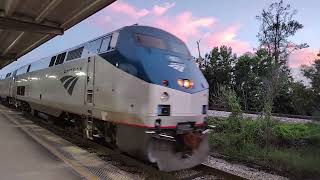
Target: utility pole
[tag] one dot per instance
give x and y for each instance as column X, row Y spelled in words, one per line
column 200, row 60
column 198, row 44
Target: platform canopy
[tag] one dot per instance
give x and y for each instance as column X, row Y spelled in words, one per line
column 26, row 24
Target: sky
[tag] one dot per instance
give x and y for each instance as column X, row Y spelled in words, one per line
column 214, row 23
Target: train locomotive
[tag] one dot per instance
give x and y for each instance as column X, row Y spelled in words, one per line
column 137, row 88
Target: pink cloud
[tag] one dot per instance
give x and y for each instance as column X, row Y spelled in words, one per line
column 160, row 10
column 302, row 57
column 103, row 20
column 125, row 8
column 184, row 25
column 227, row 37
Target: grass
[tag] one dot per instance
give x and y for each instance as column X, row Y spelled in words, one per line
column 293, row 149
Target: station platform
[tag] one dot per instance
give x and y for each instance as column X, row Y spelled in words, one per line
column 32, row 152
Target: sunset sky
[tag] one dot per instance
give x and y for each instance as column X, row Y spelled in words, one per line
column 215, row 23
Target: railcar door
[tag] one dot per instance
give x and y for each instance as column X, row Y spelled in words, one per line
column 89, row 99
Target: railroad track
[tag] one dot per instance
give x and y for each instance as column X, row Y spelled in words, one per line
column 125, row 162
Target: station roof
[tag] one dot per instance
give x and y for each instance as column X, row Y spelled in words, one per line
column 26, row 24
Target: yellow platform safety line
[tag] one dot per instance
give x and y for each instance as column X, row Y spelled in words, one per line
column 73, row 164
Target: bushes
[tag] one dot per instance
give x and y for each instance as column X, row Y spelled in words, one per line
column 293, row 148
column 290, row 148
column 297, row 134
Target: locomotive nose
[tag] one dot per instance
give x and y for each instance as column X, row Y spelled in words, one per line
column 168, row 159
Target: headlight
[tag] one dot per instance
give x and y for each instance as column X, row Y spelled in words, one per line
column 186, row 83
column 164, row 97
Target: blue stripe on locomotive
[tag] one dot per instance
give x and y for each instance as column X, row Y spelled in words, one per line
column 151, row 64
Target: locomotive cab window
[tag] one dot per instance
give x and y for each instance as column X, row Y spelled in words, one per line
column 178, row 48
column 154, row 42
column 151, row 42
column 105, row 45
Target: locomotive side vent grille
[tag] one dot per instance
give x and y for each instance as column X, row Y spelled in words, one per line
column 21, row 90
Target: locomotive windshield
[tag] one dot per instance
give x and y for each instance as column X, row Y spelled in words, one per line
column 154, row 42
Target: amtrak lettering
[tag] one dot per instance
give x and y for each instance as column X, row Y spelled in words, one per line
column 72, row 69
column 69, row 82
column 177, row 66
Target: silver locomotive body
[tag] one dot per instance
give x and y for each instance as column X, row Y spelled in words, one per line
column 116, row 97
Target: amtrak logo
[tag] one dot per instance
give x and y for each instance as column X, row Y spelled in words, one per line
column 177, row 66
column 69, row 82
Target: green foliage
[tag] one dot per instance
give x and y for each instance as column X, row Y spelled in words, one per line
column 297, row 134
column 217, row 67
column 300, row 164
column 294, row 148
column 276, row 29
column 247, row 76
column 247, row 82
column 302, row 99
column 313, row 73
column 232, row 102
column 262, row 81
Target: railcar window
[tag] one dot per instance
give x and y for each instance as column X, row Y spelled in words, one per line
column 152, row 42
column 60, row 58
column 74, row 54
column 105, row 45
column 52, row 61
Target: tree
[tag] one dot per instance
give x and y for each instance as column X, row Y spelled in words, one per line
column 277, row 26
column 217, row 67
column 313, row 73
column 302, row 99
column 247, row 82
